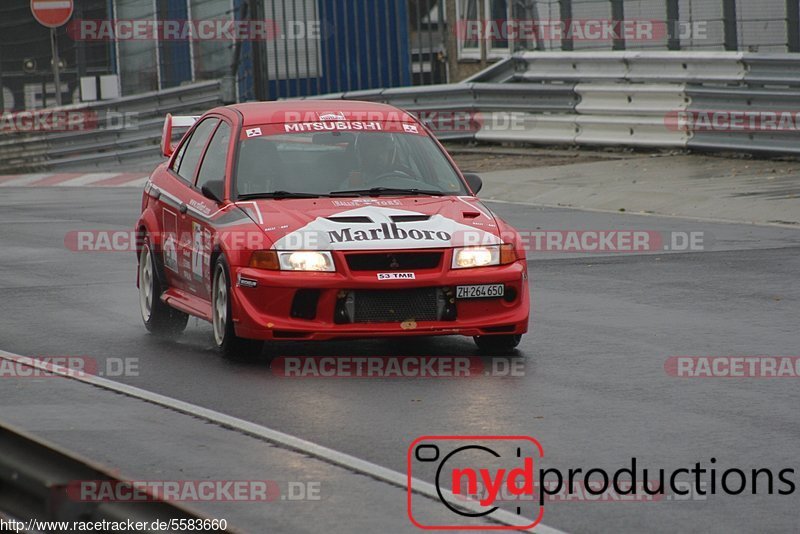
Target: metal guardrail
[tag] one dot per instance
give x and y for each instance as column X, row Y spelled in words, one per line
column 772, row 69
column 698, row 67
column 81, row 149
column 747, row 100
column 621, row 98
column 485, row 104
column 597, row 98
column 35, row 479
column 472, row 96
column 645, row 66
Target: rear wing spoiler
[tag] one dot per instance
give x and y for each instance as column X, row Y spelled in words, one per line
column 174, row 121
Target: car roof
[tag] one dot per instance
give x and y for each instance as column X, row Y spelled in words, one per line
column 282, row 111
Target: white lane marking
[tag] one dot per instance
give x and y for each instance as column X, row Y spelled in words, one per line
column 87, row 179
column 395, row 478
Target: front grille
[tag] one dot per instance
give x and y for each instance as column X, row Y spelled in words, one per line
column 395, row 306
column 394, row 261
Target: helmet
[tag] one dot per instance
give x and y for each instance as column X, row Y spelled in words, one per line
column 376, row 152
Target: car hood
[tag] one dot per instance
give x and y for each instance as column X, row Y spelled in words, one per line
column 382, row 223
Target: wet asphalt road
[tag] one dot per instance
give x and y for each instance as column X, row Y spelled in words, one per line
column 594, row 390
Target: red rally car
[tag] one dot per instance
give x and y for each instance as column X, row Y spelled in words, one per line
column 316, row 220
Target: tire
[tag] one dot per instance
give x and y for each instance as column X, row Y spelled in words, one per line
column 498, row 345
column 159, row 318
column 226, row 341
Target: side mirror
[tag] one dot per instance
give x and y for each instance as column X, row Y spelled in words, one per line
column 474, row 182
column 214, row 190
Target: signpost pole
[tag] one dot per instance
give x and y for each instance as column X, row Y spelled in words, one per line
column 52, row 14
column 56, row 70
column 2, row 96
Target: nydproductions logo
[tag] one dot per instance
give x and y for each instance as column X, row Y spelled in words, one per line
column 491, row 467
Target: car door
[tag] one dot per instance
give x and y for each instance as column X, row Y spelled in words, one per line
column 175, row 200
column 212, row 167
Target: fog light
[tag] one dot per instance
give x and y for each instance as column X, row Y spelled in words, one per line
column 510, row 294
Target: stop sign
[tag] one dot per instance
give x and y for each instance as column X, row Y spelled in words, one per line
column 52, row 13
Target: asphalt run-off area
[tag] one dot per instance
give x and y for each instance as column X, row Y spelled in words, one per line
column 595, row 381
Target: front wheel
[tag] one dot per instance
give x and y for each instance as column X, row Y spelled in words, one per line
column 500, row 344
column 159, row 318
column 225, row 338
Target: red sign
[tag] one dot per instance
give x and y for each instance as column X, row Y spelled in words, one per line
column 52, row 13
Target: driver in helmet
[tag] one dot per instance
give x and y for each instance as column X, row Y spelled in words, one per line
column 376, row 157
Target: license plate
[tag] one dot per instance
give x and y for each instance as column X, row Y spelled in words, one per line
column 486, row 291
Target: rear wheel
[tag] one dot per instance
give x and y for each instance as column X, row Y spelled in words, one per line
column 159, row 318
column 225, row 338
column 500, row 344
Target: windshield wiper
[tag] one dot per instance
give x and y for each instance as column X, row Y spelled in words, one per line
column 377, row 191
column 279, row 195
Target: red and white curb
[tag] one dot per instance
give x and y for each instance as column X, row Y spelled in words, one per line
column 73, row 179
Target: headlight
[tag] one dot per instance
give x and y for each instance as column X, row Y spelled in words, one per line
column 293, row 261
column 306, row 261
column 468, row 257
column 464, row 258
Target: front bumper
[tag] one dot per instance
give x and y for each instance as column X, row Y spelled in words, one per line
column 269, row 310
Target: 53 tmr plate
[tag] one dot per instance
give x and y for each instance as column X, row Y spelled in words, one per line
column 485, row 291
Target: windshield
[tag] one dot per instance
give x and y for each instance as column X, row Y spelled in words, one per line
column 343, row 164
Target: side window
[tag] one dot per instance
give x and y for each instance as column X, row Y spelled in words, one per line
column 190, row 153
column 213, row 166
column 176, row 163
